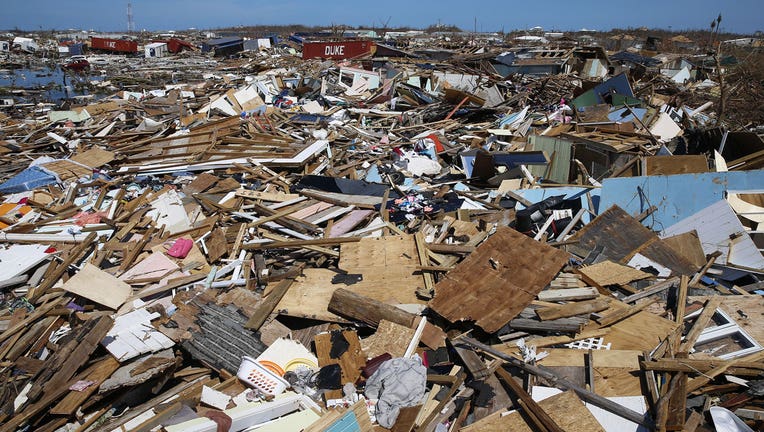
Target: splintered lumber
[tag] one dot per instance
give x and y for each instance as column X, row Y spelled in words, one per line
column 563, row 383
column 624, row 313
column 69, row 358
column 572, row 309
column 351, row 305
column 704, row 379
column 652, row 289
column 541, row 418
column 700, row 323
column 266, row 306
column 300, row 243
column 72, row 401
column 700, row 366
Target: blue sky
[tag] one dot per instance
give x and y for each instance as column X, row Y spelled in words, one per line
column 741, row 16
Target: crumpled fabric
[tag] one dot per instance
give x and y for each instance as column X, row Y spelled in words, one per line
column 398, row 383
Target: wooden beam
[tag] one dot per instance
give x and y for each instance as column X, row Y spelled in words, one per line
column 265, row 308
column 563, row 383
column 301, row 243
column 537, row 413
column 700, row 323
column 572, row 309
column 624, row 313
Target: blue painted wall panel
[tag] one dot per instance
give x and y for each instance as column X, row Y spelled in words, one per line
column 676, row 196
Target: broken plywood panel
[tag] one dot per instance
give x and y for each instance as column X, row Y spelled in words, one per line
column 610, row 273
column 620, row 236
column 688, row 246
column 389, row 338
column 498, row 280
column 96, row 285
column 94, row 158
column 677, row 164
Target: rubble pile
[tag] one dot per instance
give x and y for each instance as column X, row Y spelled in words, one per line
column 525, row 239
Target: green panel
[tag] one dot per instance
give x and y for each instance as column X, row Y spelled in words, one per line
column 559, row 151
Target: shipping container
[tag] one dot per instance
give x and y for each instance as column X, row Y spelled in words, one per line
column 337, row 50
column 114, row 45
column 176, row 45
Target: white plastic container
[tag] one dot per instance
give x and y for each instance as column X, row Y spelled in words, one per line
column 256, row 375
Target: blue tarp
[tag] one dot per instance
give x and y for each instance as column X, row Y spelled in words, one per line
column 30, row 178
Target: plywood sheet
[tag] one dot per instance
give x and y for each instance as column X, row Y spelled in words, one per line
column 389, row 338
column 96, row 285
column 688, row 246
column 616, row 232
column 642, row 331
column 680, row 164
column 566, row 409
column 385, row 263
column 94, row 158
column 498, row 280
column 610, row 273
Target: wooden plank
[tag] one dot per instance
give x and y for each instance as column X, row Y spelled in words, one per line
column 301, row 243
column 652, row 289
column 624, row 313
column 573, row 309
column 698, row 366
column 704, row 379
column 98, row 374
column 681, row 301
column 568, row 294
column 96, row 285
column 368, row 310
column 266, row 307
column 538, row 413
column 266, row 196
column 700, row 323
column 508, row 259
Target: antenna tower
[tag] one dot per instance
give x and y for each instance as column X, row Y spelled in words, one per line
column 130, row 23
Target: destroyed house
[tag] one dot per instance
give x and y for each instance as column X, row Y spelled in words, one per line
column 223, row 47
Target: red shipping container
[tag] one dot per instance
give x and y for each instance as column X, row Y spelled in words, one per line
column 115, row 45
column 337, row 50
